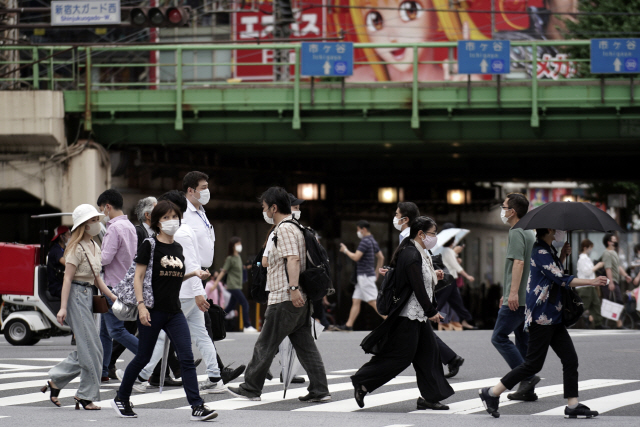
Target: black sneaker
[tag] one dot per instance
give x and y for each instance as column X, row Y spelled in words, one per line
column 312, row 397
column 112, row 373
column 491, row 404
column 123, row 408
column 454, row 367
column 168, row 381
column 240, row 392
column 526, row 396
column 581, row 411
column 202, row 413
column 229, row 374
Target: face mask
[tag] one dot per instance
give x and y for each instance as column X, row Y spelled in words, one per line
column 504, row 217
column 170, row 227
column 239, row 248
column 296, row 215
column 105, row 218
column 589, row 251
column 267, row 219
column 94, row 229
column 359, row 233
column 204, row 197
column 429, row 241
column 560, row 236
column 396, row 224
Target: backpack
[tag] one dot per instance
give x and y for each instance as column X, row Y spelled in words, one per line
column 315, row 281
column 124, row 290
column 387, row 297
column 259, row 280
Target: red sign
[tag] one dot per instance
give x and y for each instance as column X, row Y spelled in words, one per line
column 258, row 26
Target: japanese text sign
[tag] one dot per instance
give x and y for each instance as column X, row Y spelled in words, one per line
column 484, row 57
column 80, row 12
column 610, row 56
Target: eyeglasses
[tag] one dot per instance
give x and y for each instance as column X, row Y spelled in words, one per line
column 506, row 208
column 431, row 233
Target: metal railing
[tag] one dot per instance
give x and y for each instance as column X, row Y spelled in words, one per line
column 99, row 68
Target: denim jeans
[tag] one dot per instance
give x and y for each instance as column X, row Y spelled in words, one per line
column 112, row 328
column 86, row 359
column 510, row 321
column 175, row 325
column 237, row 297
column 200, row 336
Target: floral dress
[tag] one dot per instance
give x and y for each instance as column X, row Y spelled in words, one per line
column 546, row 273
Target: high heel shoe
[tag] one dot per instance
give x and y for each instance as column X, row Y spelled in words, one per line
column 445, row 327
column 84, row 404
column 55, row 392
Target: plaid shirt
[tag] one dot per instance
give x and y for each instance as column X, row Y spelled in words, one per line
column 290, row 242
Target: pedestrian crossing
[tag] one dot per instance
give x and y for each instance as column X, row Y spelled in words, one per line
column 21, row 379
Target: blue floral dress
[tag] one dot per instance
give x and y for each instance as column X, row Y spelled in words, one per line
column 546, row 273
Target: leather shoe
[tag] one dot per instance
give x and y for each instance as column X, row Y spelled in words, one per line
column 229, row 374
column 436, row 406
column 359, row 393
column 269, row 376
column 454, row 367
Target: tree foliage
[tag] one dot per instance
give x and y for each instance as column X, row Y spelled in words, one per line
column 600, row 23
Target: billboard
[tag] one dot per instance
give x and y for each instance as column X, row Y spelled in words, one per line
column 410, row 21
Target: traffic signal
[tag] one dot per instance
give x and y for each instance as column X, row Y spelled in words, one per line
column 160, row 16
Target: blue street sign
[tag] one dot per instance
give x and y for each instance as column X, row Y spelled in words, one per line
column 611, row 56
column 326, row 59
column 484, row 57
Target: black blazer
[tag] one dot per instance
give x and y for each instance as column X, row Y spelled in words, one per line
column 142, row 233
column 408, row 281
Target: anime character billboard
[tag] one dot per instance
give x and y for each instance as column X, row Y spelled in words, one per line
column 411, row 21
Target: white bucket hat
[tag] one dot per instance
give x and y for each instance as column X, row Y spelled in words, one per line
column 84, row 213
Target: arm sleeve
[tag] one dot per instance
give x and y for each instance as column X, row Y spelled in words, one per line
column 227, row 264
column 363, row 246
column 73, row 258
column 414, row 275
column 449, row 259
column 607, row 259
column 287, row 240
column 187, row 240
column 517, row 245
column 144, row 253
column 109, row 245
column 547, row 265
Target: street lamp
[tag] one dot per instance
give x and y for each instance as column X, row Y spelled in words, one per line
column 387, row 195
column 312, row 191
column 458, row 198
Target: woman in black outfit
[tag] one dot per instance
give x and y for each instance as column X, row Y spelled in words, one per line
column 406, row 336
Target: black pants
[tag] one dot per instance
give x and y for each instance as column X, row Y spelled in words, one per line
column 411, row 342
column 540, row 339
column 446, row 354
column 451, row 294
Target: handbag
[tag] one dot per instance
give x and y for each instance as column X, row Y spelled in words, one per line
column 218, row 330
column 99, row 301
column 125, row 290
column 125, row 312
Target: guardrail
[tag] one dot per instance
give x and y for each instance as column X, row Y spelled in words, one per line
column 98, row 68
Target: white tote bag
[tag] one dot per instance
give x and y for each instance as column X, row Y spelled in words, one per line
column 611, row 310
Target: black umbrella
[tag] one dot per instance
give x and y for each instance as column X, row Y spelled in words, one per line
column 568, row 216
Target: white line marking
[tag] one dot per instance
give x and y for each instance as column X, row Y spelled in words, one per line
column 603, row 404
column 6, row 376
column 344, row 371
column 380, row 399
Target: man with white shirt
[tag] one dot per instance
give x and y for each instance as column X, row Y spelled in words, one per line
column 197, row 242
column 406, row 213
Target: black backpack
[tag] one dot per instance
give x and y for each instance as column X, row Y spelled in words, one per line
column 387, row 297
column 315, row 281
column 259, row 280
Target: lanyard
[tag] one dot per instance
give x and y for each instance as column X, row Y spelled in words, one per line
column 207, row 226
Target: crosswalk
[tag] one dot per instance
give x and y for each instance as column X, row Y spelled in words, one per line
column 20, row 380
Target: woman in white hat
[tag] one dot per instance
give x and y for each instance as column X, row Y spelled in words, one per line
column 83, row 263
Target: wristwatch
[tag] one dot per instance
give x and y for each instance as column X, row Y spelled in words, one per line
column 294, row 288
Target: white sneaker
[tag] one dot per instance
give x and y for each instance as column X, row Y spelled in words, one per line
column 250, row 329
column 230, row 315
column 139, row 386
column 209, row 387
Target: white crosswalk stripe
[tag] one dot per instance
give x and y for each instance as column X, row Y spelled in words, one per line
column 20, row 382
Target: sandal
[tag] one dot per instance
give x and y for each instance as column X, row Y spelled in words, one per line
column 55, row 392
column 84, row 404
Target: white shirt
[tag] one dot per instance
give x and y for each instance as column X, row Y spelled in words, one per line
column 585, row 267
column 450, row 260
column 205, row 236
column 192, row 287
column 412, row 309
column 404, row 234
column 267, row 249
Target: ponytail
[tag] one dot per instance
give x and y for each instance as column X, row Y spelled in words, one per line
column 422, row 223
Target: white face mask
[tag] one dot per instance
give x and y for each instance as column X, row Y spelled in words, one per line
column 239, row 248
column 204, row 197
column 296, row 215
column 504, row 217
column 560, row 236
column 267, row 219
column 94, row 229
column 429, row 242
column 359, row 233
column 105, row 218
column 170, row 226
column 396, row 223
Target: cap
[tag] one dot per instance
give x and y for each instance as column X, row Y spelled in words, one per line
column 84, row 213
column 59, row 231
column 295, row 201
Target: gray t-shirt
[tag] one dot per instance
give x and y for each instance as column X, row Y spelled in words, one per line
column 519, row 247
column 611, row 260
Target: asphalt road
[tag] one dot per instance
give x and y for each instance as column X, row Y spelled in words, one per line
column 609, row 383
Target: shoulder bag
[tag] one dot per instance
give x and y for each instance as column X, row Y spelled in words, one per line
column 99, row 301
column 126, row 306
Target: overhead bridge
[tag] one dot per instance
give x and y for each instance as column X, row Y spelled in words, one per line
column 110, row 91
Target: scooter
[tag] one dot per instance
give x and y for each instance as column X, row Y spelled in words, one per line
column 29, row 308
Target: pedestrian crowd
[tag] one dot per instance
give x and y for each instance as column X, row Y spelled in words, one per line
column 166, row 261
